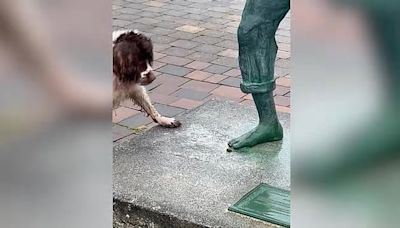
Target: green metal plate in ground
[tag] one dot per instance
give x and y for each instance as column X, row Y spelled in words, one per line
column 266, row 203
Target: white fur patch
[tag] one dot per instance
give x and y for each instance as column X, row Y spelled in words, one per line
column 148, row 69
column 118, row 33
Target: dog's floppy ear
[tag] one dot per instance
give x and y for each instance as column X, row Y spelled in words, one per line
column 122, row 63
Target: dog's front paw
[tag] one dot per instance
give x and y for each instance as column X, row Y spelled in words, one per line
column 169, row 122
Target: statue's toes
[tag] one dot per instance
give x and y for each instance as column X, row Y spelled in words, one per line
column 232, row 142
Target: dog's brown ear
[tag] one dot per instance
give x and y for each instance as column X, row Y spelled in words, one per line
column 123, row 63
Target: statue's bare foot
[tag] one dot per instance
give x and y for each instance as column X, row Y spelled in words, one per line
column 261, row 134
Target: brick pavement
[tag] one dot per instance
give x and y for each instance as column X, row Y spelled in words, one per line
column 196, row 53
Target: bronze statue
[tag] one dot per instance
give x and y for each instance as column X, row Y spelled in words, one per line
column 257, row 54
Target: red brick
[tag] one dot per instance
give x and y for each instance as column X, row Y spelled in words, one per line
column 157, row 65
column 162, row 98
column 198, row 65
column 230, row 92
column 283, row 81
column 178, row 61
column 186, row 103
column 281, row 90
column 122, row 113
column 215, row 78
column 198, row 75
column 248, row 102
column 233, row 73
column 248, row 97
column 282, row 109
column 200, row 86
column 282, row 101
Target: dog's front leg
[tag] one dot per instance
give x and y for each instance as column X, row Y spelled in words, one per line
column 141, row 98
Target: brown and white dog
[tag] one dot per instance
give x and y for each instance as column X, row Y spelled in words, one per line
column 132, row 61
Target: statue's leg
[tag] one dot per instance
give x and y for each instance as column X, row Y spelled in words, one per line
column 257, row 53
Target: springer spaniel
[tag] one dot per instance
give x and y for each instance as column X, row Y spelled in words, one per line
column 132, row 61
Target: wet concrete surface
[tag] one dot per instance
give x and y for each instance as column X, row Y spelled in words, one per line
column 185, row 178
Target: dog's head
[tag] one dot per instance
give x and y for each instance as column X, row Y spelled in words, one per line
column 132, row 57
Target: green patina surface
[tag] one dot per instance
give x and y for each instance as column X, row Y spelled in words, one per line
column 257, row 54
column 266, row 203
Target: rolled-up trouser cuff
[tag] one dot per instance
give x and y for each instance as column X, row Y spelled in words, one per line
column 262, row 87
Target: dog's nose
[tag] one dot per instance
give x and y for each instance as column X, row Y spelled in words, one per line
column 149, row 78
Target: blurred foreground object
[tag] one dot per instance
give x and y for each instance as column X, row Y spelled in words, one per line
column 55, row 126
column 346, row 124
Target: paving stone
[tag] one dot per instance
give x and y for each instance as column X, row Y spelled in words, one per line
column 281, row 90
column 233, row 73
column 175, row 70
column 183, row 35
column 161, row 31
column 206, row 40
column 121, row 23
column 225, row 61
column 220, row 9
column 209, row 49
column 248, row 97
column 228, row 44
column 282, row 101
column 280, row 72
column 284, row 47
column 227, row 91
column 214, row 29
column 215, row 14
column 284, row 63
column 187, row 103
column 248, row 102
column 231, row 81
column 282, row 39
column 233, row 17
column 139, row 26
column 196, row 11
column 193, row 16
column 198, row 75
column 216, row 78
column 200, row 86
column 178, row 61
column 283, row 54
column 191, row 94
column 231, row 30
column 282, row 81
column 160, row 47
column 128, row 11
column 120, row 132
column 229, row 53
column 198, row 65
column 167, row 110
column 136, row 121
column 162, row 98
column 134, row 6
column 150, row 12
column 217, row 69
column 190, row 29
column 184, row 44
column 204, row 57
column 175, row 51
column 175, row 13
column 171, row 79
column 170, row 24
column 282, row 109
column 158, row 55
column 147, row 21
column 125, row 17
column 122, row 113
column 163, row 39
column 211, row 33
column 154, row 4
